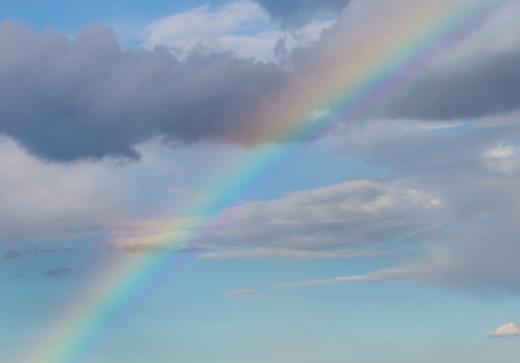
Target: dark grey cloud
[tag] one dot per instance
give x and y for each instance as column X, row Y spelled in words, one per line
column 477, row 88
column 299, row 11
column 65, row 99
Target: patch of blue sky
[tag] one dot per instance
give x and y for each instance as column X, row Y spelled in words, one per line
column 185, row 172
column 311, row 166
column 71, row 15
column 190, row 318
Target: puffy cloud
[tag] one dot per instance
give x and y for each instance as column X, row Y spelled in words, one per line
column 210, row 27
column 86, row 97
column 66, row 99
column 506, row 330
column 243, row 28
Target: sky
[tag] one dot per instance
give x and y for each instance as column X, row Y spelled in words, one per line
column 256, row 180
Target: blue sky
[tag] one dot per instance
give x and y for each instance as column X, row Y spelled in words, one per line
column 70, row 16
column 389, row 237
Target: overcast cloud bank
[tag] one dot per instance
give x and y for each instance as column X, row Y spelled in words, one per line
column 86, row 97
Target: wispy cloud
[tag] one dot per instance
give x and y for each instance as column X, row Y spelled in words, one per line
column 395, row 274
column 284, row 254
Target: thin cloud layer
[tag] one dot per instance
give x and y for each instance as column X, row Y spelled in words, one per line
column 385, row 275
column 474, row 172
column 310, row 224
column 347, row 214
column 284, row 254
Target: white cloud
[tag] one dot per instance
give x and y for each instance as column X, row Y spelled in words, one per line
column 319, row 223
column 350, row 213
column 395, row 274
column 42, row 201
column 279, row 253
column 506, row 330
column 187, row 28
column 503, row 158
column 477, row 246
column 242, row 27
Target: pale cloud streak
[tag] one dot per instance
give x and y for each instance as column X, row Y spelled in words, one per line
column 285, row 254
column 385, row 275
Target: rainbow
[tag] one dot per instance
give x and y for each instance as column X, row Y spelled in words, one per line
column 344, row 82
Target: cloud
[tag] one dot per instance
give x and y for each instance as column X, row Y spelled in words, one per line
column 300, row 11
column 242, row 28
column 319, row 223
column 69, row 98
column 467, row 78
column 475, row 248
column 395, row 274
column 49, row 202
column 506, row 330
column 210, row 27
column 13, row 254
column 284, row 254
column 475, row 88
column 249, row 294
column 351, row 213
column 503, row 158
column 85, row 97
